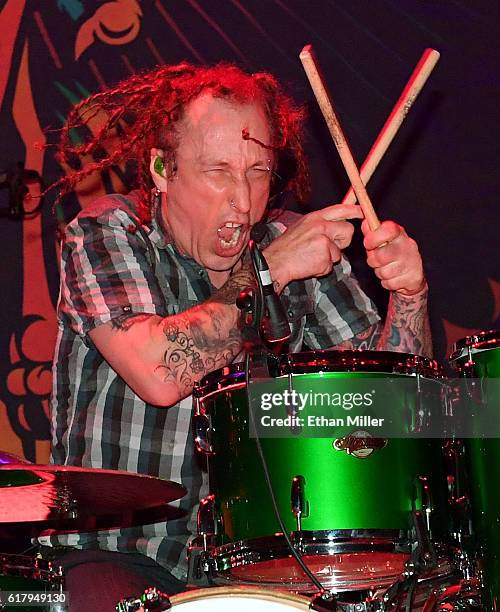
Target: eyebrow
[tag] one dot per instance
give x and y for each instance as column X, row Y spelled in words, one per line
column 225, row 164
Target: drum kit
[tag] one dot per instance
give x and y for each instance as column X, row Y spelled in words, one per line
column 296, row 522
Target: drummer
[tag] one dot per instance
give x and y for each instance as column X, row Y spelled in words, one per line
column 149, row 282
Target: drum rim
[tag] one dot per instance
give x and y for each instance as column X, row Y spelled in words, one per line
column 245, row 553
column 444, row 568
column 481, row 341
column 310, row 362
column 239, row 591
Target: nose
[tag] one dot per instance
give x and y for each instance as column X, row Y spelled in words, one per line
column 241, row 199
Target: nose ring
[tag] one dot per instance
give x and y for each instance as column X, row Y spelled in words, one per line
column 232, row 203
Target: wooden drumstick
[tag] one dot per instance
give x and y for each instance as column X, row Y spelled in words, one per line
column 332, row 121
column 398, row 114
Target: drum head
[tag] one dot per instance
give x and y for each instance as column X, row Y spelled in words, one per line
column 243, row 599
column 341, row 572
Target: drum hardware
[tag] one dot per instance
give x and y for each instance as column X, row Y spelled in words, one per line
column 207, row 529
column 298, row 501
column 324, row 601
column 202, row 430
column 404, row 584
column 292, row 409
column 466, row 566
column 422, row 483
column 458, row 597
column 423, row 558
column 152, row 600
column 419, row 412
column 424, row 555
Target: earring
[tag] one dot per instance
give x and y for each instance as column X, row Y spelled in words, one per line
column 158, row 165
column 156, row 197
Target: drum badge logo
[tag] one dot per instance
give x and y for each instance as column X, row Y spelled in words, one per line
column 359, row 443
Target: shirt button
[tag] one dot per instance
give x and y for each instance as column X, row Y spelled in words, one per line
column 290, row 313
column 201, row 272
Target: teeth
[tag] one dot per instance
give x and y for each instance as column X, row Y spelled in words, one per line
column 236, row 235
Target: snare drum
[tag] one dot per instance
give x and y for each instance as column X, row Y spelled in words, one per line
column 478, row 357
column 357, row 506
column 25, row 575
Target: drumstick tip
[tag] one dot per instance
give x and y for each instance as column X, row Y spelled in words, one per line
column 306, row 51
column 429, row 51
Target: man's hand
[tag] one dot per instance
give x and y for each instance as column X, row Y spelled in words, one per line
column 312, row 245
column 395, row 258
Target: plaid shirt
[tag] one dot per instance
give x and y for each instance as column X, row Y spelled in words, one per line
column 110, row 266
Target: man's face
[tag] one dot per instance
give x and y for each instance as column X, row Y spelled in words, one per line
column 221, row 185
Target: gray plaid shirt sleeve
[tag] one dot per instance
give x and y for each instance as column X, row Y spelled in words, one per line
column 105, row 271
column 342, row 310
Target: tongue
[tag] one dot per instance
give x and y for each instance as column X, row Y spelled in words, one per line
column 226, row 233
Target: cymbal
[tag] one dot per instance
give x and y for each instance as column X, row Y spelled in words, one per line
column 69, row 498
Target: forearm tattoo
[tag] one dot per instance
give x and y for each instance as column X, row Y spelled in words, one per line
column 229, row 292
column 367, row 340
column 125, row 321
column 204, row 338
column 407, row 328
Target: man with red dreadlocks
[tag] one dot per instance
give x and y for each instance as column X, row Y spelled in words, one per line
column 149, row 282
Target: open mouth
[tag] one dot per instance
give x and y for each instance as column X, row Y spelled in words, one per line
column 229, row 234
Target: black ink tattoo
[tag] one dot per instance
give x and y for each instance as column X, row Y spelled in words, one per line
column 229, row 292
column 367, row 340
column 407, row 328
column 206, row 337
column 125, row 321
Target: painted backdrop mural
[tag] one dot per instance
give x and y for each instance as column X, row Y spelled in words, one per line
column 440, row 178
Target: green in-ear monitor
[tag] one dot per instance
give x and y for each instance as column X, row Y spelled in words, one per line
column 158, row 165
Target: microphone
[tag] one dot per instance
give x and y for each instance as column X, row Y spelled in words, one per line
column 275, row 326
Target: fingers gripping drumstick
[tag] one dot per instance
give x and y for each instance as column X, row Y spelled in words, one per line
column 398, row 114
column 309, row 64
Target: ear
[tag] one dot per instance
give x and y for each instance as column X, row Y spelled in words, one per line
column 157, row 170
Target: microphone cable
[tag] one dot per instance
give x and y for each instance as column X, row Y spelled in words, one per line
column 322, row 592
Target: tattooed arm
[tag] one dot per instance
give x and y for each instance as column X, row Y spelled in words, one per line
column 396, row 261
column 162, row 358
column 406, row 328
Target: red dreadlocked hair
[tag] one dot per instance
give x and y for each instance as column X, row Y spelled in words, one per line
column 144, row 111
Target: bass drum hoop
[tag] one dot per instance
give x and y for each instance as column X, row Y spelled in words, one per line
column 292, row 600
